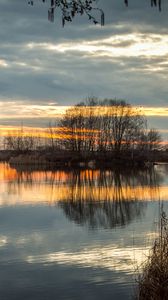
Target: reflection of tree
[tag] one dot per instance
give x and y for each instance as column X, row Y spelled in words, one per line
column 108, row 208
column 90, row 197
column 20, row 181
column 106, row 214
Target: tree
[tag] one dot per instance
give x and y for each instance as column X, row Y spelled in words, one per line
column 74, row 125
column 19, row 142
column 70, row 8
column 102, row 126
column 149, row 140
column 53, row 136
column 123, row 125
column 153, row 139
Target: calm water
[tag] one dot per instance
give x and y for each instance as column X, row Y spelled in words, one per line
column 76, row 235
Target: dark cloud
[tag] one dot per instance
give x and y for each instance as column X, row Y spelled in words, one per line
column 40, row 61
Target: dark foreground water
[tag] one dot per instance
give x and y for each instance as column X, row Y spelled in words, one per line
column 76, row 235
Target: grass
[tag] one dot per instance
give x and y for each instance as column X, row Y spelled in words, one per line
column 153, row 281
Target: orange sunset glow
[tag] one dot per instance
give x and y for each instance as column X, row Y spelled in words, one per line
column 53, row 112
column 51, row 187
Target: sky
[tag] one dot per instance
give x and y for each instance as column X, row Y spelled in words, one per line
column 44, row 68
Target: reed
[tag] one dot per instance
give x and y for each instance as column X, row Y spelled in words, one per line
column 153, row 281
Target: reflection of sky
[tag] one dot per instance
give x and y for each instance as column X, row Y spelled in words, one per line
column 25, row 188
column 39, row 239
column 43, row 235
column 111, row 258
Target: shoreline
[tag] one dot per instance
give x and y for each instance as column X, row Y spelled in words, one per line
column 68, row 160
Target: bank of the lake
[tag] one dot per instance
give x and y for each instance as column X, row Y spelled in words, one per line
column 92, row 160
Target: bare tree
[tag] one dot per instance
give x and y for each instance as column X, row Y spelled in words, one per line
column 73, row 126
column 107, row 125
column 125, row 123
column 53, row 136
column 149, row 140
column 153, row 139
column 19, row 142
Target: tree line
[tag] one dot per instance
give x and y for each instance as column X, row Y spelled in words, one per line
column 93, row 126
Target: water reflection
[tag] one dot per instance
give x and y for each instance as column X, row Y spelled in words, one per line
column 88, row 197
column 109, row 257
column 111, row 199
column 42, row 248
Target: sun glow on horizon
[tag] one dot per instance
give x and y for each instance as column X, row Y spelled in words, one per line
column 52, row 113
column 19, row 109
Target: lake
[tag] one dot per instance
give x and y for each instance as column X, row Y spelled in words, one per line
column 76, row 234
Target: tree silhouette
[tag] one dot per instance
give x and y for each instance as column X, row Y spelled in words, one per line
column 70, row 8
column 102, row 126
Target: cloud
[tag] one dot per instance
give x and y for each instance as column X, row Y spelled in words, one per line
column 42, row 62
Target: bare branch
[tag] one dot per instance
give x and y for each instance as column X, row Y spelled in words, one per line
column 70, row 8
